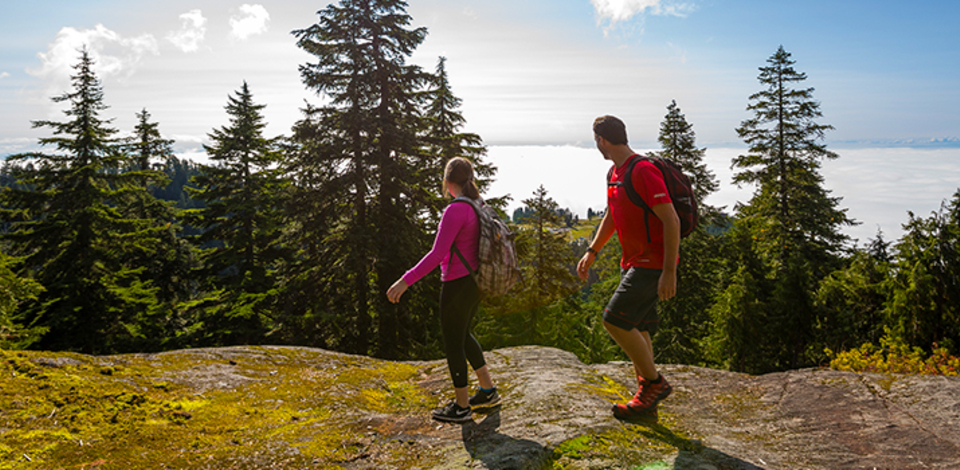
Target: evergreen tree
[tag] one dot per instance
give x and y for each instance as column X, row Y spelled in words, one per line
column 685, row 322
column 14, row 290
column 372, row 128
column 241, row 225
column 924, row 303
column 169, row 264
column 678, row 142
column 443, row 136
column 528, row 315
column 850, row 302
column 790, row 208
column 791, row 222
column 147, row 147
column 740, row 337
column 75, row 232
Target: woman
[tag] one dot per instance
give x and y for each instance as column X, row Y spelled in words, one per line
column 459, row 296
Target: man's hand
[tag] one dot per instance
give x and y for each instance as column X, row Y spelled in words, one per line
column 667, row 287
column 583, row 267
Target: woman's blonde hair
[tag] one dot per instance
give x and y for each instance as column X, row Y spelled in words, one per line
column 459, row 171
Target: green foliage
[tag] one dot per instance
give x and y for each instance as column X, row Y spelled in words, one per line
column 366, row 142
column 75, row 228
column 788, row 233
column 240, row 225
column 738, row 339
column 13, row 291
column 924, row 306
column 850, row 301
column 546, row 259
column 684, row 320
column 169, row 262
column 443, row 137
column 678, row 143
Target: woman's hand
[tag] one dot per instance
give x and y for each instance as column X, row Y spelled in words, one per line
column 396, row 290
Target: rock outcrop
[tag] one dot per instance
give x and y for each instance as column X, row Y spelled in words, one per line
column 285, row 407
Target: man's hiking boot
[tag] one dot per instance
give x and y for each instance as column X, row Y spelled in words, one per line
column 654, row 392
column 452, row 413
column 483, row 399
column 624, row 413
column 645, row 401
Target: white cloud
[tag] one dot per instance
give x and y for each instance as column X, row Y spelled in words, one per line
column 251, row 20
column 615, row 11
column 192, row 30
column 4, row 75
column 113, row 55
column 621, row 10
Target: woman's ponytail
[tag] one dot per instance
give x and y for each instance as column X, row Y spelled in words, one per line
column 459, row 171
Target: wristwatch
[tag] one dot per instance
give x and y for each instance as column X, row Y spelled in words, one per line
column 591, row 250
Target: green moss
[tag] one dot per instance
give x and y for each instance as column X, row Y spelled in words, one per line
column 605, row 387
column 886, row 383
column 654, row 466
column 574, row 448
column 627, row 444
column 278, row 407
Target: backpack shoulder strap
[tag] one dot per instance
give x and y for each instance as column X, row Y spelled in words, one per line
column 634, row 195
column 453, row 247
column 628, row 184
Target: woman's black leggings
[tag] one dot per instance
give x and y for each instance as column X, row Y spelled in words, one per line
column 459, row 299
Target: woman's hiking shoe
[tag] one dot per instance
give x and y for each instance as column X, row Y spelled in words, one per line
column 645, row 401
column 483, row 399
column 452, row 413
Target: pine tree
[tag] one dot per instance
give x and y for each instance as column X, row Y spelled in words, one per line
column 73, row 229
column 792, row 222
column 850, row 301
column 14, row 290
column 443, row 136
column 372, row 128
column 791, row 209
column 924, row 302
column 243, row 192
column 147, row 148
column 678, row 142
column 685, row 322
column 150, row 153
column 169, row 264
column 528, row 315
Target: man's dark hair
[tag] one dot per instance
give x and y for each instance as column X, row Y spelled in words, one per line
column 611, row 128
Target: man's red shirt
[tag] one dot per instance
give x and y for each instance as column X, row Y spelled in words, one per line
column 628, row 217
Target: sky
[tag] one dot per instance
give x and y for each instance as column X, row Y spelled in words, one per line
column 533, row 75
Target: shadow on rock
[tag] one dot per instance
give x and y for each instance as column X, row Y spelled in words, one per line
column 692, row 453
column 499, row 451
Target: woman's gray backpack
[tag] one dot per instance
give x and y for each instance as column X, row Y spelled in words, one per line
column 499, row 267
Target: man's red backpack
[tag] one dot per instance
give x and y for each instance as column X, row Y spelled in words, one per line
column 678, row 185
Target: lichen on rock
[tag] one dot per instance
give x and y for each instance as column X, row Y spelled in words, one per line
column 291, row 407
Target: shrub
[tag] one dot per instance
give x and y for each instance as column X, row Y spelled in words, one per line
column 897, row 357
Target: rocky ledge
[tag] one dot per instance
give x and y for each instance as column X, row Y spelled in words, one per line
column 288, row 407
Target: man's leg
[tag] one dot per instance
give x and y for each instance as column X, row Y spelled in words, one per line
column 639, row 349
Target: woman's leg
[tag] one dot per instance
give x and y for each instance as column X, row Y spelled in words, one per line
column 474, row 351
column 456, row 302
column 483, row 377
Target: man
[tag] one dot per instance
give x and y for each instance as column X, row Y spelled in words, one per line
column 649, row 266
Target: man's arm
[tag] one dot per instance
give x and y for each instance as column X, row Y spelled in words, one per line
column 671, row 249
column 604, row 232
